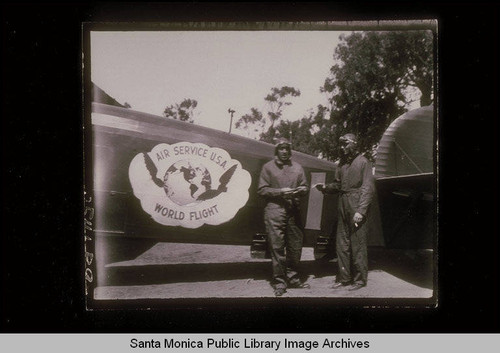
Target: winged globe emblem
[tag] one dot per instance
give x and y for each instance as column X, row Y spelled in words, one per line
column 223, row 181
column 188, row 173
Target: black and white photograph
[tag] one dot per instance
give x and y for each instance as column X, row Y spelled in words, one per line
column 263, row 175
column 201, row 176
column 254, row 161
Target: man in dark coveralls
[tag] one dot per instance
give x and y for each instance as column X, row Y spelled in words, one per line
column 281, row 183
column 356, row 187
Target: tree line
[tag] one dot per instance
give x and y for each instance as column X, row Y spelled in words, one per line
column 375, row 76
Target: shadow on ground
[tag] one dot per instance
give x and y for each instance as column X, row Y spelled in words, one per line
column 175, row 273
column 417, row 270
column 415, row 267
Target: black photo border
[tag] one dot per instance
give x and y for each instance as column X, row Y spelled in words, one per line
column 41, row 243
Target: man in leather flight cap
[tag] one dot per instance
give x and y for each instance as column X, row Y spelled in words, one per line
column 356, row 187
column 282, row 182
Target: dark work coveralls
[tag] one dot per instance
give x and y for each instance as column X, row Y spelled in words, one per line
column 355, row 183
column 282, row 219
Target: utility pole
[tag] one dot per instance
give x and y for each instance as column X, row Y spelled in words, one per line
column 231, row 111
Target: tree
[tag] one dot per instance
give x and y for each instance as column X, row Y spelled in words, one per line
column 277, row 101
column 265, row 127
column 299, row 132
column 369, row 82
column 309, row 134
column 183, row 111
column 252, row 123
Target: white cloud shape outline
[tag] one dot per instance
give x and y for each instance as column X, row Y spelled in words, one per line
column 164, row 211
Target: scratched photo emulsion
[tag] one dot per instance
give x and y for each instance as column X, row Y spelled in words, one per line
column 261, row 162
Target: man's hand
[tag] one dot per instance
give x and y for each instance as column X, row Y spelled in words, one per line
column 301, row 190
column 358, row 217
column 286, row 192
column 319, row 186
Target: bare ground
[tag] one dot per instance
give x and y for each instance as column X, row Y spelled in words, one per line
column 180, row 271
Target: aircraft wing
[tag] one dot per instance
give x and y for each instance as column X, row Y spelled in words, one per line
column 405, row 185
column 407, row 208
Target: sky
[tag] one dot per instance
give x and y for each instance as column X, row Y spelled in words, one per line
column 219, row 69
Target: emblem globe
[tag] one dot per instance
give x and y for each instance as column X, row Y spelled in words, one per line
column 185, row 181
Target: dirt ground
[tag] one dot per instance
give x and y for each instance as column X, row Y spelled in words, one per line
column 180, row 271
